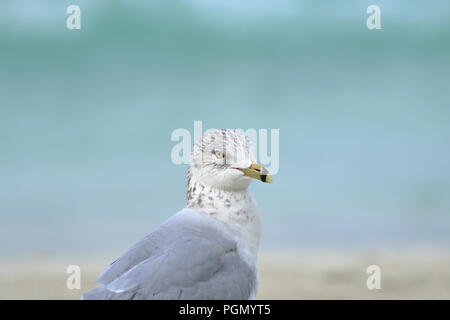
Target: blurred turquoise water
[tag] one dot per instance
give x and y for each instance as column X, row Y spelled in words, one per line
column 86, row 118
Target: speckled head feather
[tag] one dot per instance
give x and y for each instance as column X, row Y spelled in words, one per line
column 232, row 144
column 215, row 159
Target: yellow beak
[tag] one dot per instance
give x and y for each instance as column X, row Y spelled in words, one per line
column 257, row 172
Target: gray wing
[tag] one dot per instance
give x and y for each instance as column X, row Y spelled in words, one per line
column 185, row 258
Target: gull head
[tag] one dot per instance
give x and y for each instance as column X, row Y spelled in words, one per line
column 222, row 159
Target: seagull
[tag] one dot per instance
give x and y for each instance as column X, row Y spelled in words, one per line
column 208, row 250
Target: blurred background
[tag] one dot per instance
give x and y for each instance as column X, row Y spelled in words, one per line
column 86, row 118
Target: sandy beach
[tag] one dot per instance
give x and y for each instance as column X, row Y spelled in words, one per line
column 406, row 274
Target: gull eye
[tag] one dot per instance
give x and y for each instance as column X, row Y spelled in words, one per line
column 218, row 154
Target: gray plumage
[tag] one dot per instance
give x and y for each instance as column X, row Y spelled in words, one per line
column 188, row 257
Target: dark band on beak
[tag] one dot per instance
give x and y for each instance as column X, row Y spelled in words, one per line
column 264, row 174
